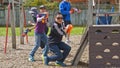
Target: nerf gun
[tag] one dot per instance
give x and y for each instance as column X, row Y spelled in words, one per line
column 26, row 32
column 75, row 10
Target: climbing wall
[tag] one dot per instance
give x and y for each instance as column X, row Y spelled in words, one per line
column 104, row 50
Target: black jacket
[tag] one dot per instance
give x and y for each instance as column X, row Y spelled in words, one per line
column 56, row 33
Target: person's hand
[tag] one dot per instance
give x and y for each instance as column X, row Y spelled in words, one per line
column 29, row 22
column 79, row 11
column 26, row 32
column 46, row 14
column 72, row 11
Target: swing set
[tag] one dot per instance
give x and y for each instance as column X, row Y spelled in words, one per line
column 104, row 18
column 10, row 13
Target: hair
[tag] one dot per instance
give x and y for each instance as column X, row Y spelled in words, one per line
column 58, row 13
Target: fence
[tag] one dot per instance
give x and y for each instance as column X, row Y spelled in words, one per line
column 77, row 19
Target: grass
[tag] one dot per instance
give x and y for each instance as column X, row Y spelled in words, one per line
column 76, row 31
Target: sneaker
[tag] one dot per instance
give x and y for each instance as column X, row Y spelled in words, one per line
column 31, row 58
column 68, row 41
column 45, row 59
column 60, row 64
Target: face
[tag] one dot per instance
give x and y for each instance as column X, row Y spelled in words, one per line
column 59, row 18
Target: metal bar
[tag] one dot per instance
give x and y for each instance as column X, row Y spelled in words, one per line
column 107, row 13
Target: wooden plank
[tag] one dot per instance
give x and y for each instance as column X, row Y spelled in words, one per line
column 83, row 44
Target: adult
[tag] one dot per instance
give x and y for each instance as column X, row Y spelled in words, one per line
column 56, row 44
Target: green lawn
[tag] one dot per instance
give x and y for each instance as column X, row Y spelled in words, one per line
column 75, row 31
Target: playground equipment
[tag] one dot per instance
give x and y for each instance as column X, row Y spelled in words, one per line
column 23, row 33
column 106, row 32
column 22, row 23
column 104, row 46
column 85, row 40
column 10, row 14
column 106, row 19
column 7, row 22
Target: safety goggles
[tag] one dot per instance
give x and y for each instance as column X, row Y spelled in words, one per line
column 59, row 17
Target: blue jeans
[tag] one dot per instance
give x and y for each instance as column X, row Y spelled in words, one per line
column 38, row 38
column 56, row 49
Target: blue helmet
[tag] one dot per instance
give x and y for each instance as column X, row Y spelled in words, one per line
column 33, row 11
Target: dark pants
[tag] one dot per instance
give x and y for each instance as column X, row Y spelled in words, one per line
column 46, row 29
column 56, row 49
column 67, row 22
column 46, row 32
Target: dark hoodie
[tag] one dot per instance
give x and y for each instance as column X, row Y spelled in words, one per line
column 56, row 33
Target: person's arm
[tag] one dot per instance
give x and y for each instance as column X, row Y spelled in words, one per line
column 46, row 16
column 31, row 28
column 58, row 30
column 40, row 18
column 31, row 23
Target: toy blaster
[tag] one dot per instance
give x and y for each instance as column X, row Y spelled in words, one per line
column 76, row 10
column 26, row 32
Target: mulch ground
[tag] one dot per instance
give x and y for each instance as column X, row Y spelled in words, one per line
column 18, row 58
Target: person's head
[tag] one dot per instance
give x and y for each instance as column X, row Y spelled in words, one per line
column 33, row 11
column 59, row 18
column 42, row 8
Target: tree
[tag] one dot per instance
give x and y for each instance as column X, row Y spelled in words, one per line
column 52, row 5
column 49, row 4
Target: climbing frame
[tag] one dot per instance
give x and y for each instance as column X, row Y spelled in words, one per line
column 104, row 46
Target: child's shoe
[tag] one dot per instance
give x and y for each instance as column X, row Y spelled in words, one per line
column 31, row 58
column 60, row 64
column 45, row 59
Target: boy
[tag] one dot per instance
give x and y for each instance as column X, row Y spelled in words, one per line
column 40, row 33
column 56, row 44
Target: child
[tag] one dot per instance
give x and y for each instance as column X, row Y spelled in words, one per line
column 66, row 10
column 40, row 33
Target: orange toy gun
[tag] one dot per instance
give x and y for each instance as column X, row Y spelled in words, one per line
column 26, row 32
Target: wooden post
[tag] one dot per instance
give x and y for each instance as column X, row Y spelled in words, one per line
column 84, row 40
column 83, row 44
column 13, row 26
column 119, row 6
column 21, row 22
column 90, row 13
